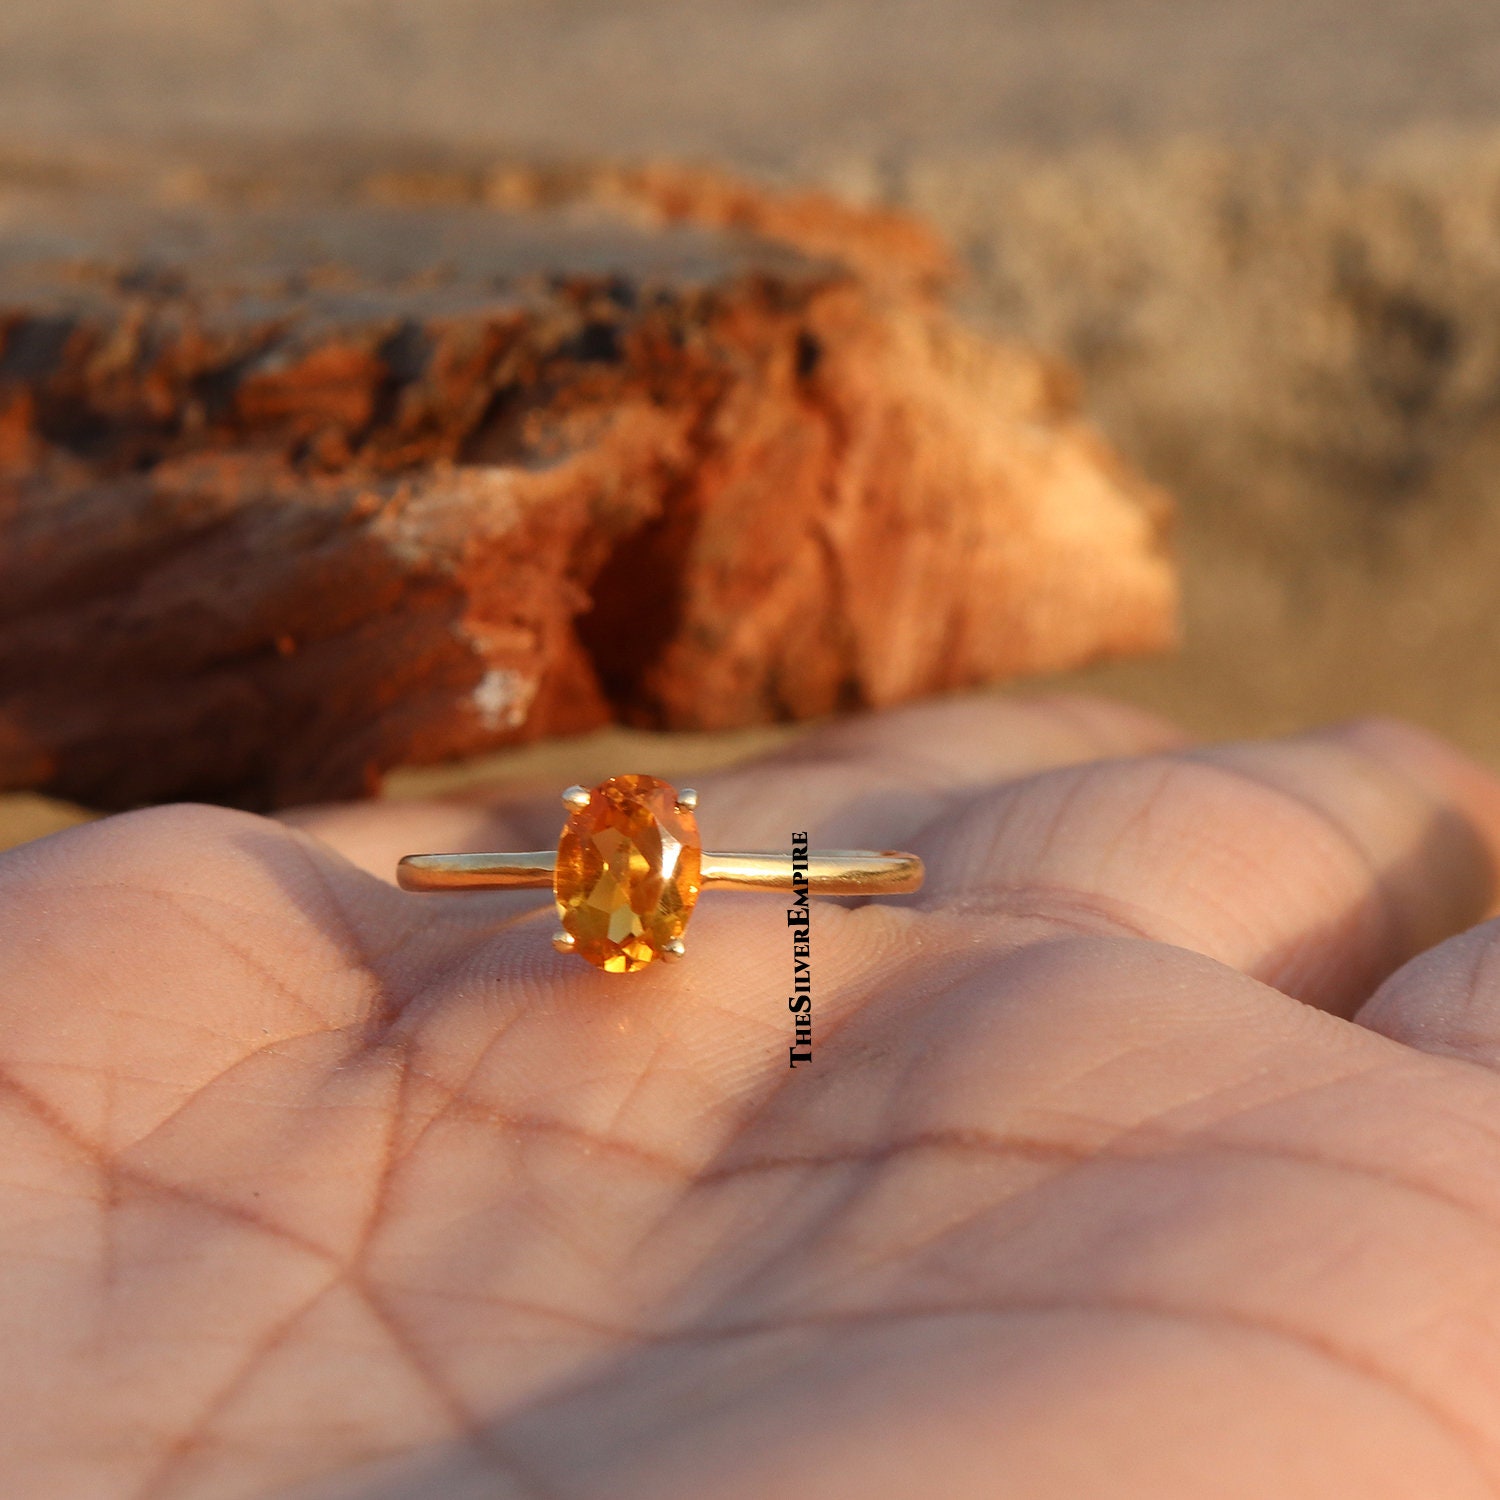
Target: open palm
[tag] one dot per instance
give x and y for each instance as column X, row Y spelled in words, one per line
column 312, row 1188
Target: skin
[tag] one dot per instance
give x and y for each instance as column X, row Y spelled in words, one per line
column 1153, row 1150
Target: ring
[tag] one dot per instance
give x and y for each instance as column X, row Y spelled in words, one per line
column 629, row 866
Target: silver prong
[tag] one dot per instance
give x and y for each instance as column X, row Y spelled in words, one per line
column 671, row 952
column 687, row 799
column 564, row 941
column 576, row 797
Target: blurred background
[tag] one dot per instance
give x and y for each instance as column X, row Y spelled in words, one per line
column 764, row 82
column 1267, row 236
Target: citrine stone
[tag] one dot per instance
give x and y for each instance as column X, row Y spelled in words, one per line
column 628, row 872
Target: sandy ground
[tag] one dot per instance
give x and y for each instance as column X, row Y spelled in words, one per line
column 754, row 80
column 1266, row 235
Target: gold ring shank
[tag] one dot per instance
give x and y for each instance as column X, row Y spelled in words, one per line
column 830, row 872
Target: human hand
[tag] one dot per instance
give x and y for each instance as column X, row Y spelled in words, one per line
column 1109, row 1178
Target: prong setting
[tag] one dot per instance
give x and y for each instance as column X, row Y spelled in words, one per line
column 564, row 941
column 576, row 798
column 687, row 799
column 671, row 952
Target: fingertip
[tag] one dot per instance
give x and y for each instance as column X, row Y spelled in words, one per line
column 1112, row 727
column 1426, row 753
column 1440, row 770
column 988, row 736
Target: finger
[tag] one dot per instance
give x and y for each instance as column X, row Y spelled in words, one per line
column 873, row 781
column 869, row 780
column 1317, row 864
column 1446, row 1000
column 374, row 835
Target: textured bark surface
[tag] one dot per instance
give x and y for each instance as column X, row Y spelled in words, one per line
column 295, row 491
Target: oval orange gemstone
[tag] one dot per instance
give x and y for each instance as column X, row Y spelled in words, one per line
column 628, row 872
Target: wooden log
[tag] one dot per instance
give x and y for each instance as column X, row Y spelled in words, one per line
column 293, row 494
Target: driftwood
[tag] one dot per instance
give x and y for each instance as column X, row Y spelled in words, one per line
column 294, row 493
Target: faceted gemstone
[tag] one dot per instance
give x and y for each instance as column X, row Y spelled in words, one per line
column 628, row 872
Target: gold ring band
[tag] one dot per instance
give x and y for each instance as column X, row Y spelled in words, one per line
column 830, row 872
column 629, row 867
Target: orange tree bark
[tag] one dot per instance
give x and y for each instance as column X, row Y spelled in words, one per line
column 293, row 494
